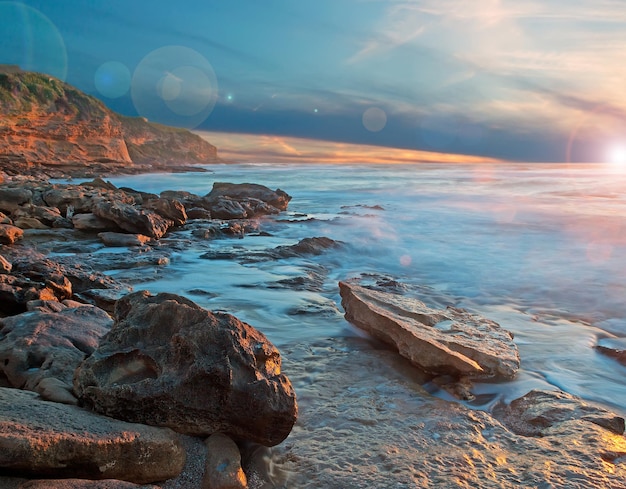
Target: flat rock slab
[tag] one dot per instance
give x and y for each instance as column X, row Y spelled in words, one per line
column 169, row 362
column 451, row 341
column 48, row 439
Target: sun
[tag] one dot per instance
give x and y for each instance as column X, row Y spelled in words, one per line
column 617, row 156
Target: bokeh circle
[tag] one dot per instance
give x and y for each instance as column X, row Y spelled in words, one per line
column 374, row 119
column 112, row 79
column 31, row 41
column 174, row 85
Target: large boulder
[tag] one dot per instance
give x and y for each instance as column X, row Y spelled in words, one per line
column 451, row 341
column 132, row 219
column 41, row 438
column 40, row 351
column 168, row 362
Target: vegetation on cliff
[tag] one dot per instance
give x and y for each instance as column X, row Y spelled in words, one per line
column 48, row 125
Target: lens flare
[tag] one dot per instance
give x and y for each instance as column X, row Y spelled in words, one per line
column 174, row 85
column 112, row 79
column 374, row 119
column 31, row 41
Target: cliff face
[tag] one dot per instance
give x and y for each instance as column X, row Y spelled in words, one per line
column 48, row 125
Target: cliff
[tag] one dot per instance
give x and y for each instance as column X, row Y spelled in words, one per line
column 49, row 126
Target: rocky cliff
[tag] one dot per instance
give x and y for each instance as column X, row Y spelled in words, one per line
column 50, row 126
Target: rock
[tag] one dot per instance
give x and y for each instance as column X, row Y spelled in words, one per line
column 91, row 222
column 48, row 216
column 13, row 197
column 4, row 219
column 29, row 223
column 223, row 464
column 132, row 219
column 169, row 209
column 242, row 191
column 168, row 362
column 42, row 438
column 99, row 183
column 366, row 422
column 613, row 347
column 35, row 346
column 5, row 266
column 17, row 291
column 451, row 341
column 10, row 234
column 104, row 299
column 123, row 239
column 306, row 246
column 227, row 208
column 540, row 413
column 198, row 213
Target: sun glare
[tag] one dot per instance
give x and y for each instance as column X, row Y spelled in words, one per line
column 617, row 156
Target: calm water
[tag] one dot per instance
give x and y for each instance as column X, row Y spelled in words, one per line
column 539, row 248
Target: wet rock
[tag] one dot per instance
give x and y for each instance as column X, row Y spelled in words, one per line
column 169, row 208
column 13, row 197
column 10, row 234
column 613, row 347
column 41, row 438
column 540, row 413
column 451, row 341
column 307, row 246
column 223, row 464
column 168, row 362
column 99, row 183
column 36, row 345
column 91, row 222
column 278, row 199
column 133, row 220
column 367, row 422
column 123, row 239
column 5, row 265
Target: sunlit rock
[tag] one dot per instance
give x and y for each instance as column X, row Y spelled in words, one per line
column 132, row 219
column 168, row 362
column 123, row 239
column 451, row 341
column 223, row 464
column 40, row 438
column 10, row 234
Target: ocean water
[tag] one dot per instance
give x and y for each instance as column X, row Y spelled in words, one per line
column 541, row 249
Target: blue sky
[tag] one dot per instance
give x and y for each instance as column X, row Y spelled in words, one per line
column 519, row 80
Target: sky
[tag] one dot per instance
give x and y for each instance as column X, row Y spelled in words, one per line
column 520, row 80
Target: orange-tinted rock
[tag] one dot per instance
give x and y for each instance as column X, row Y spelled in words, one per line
column 132, row 219
column 10, row 234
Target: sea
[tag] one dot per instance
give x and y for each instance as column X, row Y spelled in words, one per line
column 538, row 248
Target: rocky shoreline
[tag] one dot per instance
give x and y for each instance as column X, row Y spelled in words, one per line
column 101, row 386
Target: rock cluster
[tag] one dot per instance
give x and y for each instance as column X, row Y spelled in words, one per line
column 160, row 360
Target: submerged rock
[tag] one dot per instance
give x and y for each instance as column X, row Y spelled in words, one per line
column 40, row 438
column 168, row 362
column 451, row 341
column 613, row 347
